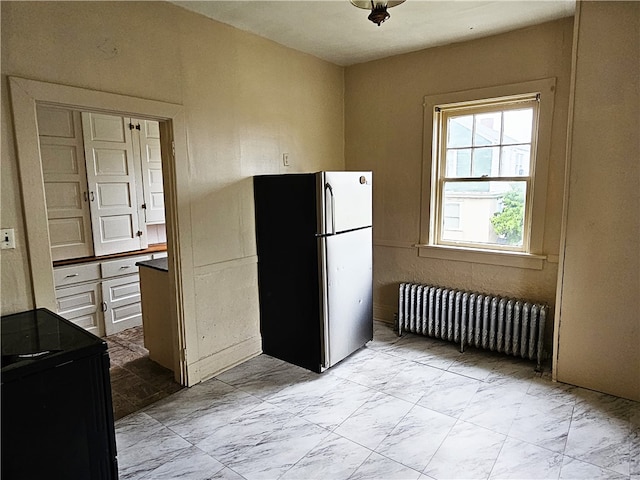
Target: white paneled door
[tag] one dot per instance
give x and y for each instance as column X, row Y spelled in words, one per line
column 122, row 306
column 151, row 162
column 65, row 182
column 111, row 179
column 80, row 304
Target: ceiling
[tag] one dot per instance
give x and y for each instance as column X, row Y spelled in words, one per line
column 338, row 32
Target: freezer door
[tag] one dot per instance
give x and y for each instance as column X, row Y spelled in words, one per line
column 344, row 201
column 347, row 299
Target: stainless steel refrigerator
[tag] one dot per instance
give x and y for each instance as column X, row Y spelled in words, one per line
column 314, row 243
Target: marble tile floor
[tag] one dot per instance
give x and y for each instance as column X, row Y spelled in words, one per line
column 136, row 381
column 400, row 408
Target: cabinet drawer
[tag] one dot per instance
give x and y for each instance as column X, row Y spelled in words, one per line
column 125, row 266
column 64, row 276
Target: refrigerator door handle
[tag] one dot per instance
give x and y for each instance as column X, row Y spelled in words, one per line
column 327, row 186
column 324, row 304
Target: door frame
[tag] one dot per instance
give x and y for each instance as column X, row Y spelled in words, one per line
column 25, row 94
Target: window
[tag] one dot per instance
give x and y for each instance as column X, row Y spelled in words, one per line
column 486, row 156
column 485, row 159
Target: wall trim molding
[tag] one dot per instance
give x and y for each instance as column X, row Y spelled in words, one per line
column 219, row 266
column 379, row 242
column 228, row 358
column 384, row 313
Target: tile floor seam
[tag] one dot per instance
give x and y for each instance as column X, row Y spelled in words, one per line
column 493, row 466
column 423, row 471
column 305, row 455
column 564, row 456
column 361, row 464
column 564, row 448
column 224, row 464
column 392, row 429
column 385, row 456
column 372, row 450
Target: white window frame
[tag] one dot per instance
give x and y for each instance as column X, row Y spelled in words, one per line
column 439, row 177
column 531, row 255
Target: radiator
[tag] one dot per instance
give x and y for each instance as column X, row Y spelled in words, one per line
column 505, row 325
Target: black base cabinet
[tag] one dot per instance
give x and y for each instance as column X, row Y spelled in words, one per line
column 57, row 417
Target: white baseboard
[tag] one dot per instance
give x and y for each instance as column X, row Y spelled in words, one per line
column 384, row 313
column 228, row 358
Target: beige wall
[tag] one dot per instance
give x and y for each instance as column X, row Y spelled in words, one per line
column 246, row 101
column 599, row 335
column 384, row 132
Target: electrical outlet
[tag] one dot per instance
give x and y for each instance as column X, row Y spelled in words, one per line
column 7, row 238
column 285, row 159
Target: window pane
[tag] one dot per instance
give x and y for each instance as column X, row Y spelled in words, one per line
column 490, row 213
column 451, row 217
column 517, row 126
column 459, row 131
column 488, row 129
column 515, row 161
column 459, row 163
column 485, row 161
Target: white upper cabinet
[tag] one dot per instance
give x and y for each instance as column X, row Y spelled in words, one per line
column 103, row 181
column 65, row 182
column 111, row 178
column 151, row 163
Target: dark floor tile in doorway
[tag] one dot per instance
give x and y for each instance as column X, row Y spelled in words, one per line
column 136, row 381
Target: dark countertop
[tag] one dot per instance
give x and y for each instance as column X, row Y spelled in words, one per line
column 161, row 264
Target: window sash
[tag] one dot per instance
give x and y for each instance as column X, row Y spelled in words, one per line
column 442, row 114
column 527, row 181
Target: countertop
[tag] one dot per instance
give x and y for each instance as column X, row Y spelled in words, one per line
column 161, row 264
column 156, row 248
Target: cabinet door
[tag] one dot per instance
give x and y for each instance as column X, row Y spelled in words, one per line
column 65, row 182
column 81, row 305
column 151, row 163
column 121, row 303
column 112, row 184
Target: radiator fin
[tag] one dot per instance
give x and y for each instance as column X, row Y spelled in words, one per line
column 504, row 325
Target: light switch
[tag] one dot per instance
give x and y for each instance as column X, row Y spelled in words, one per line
column 285, row 159
column 7, row 238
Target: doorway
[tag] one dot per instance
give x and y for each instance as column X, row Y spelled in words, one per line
column 25, row 96
column 105, row 211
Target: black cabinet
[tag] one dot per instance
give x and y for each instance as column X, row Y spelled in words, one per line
column 57, row 417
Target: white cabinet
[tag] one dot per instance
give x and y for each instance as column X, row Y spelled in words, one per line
column 102, row 297
column 151, row 164
column 103, row 181
column 81, row 304
column 113, row 191
column 65, row 182
column 121, row 294
column 122, row 308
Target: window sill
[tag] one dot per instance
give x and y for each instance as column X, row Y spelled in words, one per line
column 488, row 257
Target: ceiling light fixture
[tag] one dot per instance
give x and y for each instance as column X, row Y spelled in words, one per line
column 378, row 8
